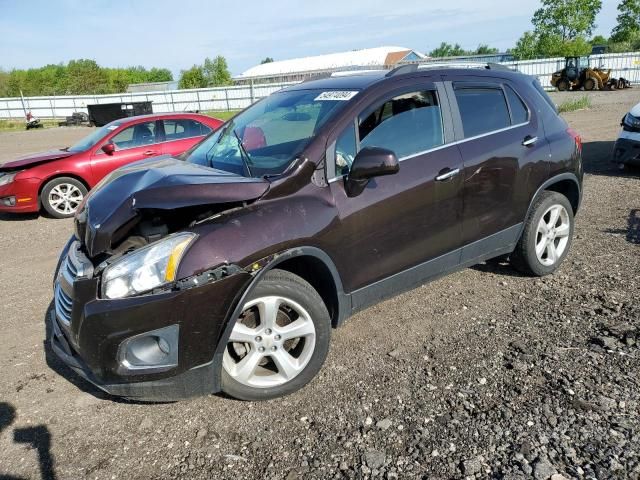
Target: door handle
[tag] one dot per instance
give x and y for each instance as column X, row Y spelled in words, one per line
column 150, row 152
column 446, row 175
column 529, row 141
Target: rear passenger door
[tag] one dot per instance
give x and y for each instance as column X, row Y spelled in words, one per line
column 405, row 219
column 504, row 152
column 181, row 134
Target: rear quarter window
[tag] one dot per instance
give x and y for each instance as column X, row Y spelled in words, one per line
column 482, row 109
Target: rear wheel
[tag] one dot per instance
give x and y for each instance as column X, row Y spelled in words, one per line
column 562, row 85
column 61, row 197
column 589, row 84
column 547, row 235
column 280, row 341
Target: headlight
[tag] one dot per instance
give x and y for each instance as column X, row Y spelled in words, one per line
column 146, row 268
column 7, row 178
column 629, row 120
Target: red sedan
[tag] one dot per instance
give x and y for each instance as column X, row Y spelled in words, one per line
column 58, row 180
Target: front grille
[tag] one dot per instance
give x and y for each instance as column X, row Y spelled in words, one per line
column 63, row 305
column 75, row 266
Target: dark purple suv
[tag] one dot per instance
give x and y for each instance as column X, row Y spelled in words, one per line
column 227, row 267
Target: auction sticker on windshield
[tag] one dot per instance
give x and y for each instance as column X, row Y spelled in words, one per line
column 340, row 95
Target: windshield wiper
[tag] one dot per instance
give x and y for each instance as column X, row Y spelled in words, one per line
column 246, row 159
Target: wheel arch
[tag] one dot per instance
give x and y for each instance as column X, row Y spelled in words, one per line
column 308, row 260
column 566, row 184
column 75, row 176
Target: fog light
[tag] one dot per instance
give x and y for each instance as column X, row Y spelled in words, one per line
column 9, row 201
column 155, row 351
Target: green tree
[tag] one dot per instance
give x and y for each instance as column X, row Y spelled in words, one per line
column 216, row 71
column 566, row 19
column 628, row 27
column 4, row 83
column 447, row 50
column 266, row 60
column 160, row 75
column 484, row 49
column 193, row 78
column 599, row 40
column 527, row 47
column 86, row 76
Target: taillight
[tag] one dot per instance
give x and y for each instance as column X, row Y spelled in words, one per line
column 576, row 138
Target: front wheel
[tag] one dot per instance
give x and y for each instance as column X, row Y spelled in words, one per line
column 280, row 341
column 547, row 235
column 62, row 196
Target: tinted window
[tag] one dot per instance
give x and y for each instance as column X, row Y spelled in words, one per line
column 482, row 110
column 406, row 124
column 345, row 150
column 136, row 136
column 544, row 95
column 519, row 112
column 183, row 128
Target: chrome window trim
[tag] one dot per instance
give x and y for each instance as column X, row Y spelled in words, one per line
column 458, row 142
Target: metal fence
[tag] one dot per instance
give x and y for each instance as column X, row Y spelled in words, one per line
column 626, row 65
column 201, row 99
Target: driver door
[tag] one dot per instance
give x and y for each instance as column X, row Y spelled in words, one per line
column 409, row 219
column 133, row 143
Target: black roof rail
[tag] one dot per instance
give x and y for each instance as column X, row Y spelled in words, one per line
column 412, row 67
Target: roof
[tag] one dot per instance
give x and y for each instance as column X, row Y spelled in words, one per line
column 157, row 116
column 368, row 57
column 362, row 80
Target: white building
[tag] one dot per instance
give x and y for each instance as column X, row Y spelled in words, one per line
column 308, row 67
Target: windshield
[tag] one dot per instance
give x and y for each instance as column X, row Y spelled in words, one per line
column 90, row 140
column 267, row 137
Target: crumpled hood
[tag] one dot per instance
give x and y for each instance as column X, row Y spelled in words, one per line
column 34, row 159
column 162, row 183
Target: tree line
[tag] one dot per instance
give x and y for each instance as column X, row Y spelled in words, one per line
column 78, row 77
column 563, row 28
column 560, row 28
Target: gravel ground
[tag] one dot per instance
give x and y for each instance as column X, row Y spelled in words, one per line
column 482, row 374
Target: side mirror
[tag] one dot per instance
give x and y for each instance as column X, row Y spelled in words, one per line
column 108, row 148
column 370, row 162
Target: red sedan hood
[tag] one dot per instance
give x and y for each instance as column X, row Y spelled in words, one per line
column 34, row 159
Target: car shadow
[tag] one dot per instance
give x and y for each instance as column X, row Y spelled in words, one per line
column 597, row 159
column 499, row 266
column 36, row 437
column 18, row 217
column 632, row 232
column 59, row 367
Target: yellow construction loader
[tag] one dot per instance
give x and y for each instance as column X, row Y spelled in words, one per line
column 578, row 74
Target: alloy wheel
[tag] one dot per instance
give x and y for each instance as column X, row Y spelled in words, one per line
column 65, row 198
column 552, row 235
column 271, row 343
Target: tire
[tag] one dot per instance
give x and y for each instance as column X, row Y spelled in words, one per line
column 562, row 85
column 61, row 196
column 590, row 84
column 621, row 84
column 559, row 238
column 295, row 360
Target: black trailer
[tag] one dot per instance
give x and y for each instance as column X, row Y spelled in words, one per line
column 101, row 114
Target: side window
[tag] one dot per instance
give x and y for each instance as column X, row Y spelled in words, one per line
column 482, row 110
column 407, row 124
column 345, row 150
column 519, row 112
column 183, row 128
column 136, row 136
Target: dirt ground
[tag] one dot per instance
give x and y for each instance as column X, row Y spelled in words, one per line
column 484, row 373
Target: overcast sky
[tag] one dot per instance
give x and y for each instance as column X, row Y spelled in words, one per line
column 177, row 34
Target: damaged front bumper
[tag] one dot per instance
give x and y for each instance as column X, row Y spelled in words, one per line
column 89, row 333
column 627, row 149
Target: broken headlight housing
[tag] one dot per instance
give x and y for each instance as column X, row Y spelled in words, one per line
column 146, row 268
column 7, row 178
column 631, row 122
